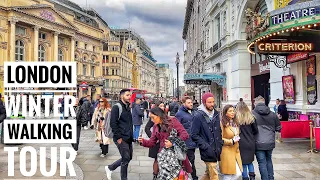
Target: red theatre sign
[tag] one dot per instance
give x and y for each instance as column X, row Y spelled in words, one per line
column 297, row 57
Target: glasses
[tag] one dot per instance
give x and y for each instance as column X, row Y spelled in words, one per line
column 101, row 101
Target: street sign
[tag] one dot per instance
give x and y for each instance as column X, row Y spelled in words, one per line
column 199, row 82
column 84, row 85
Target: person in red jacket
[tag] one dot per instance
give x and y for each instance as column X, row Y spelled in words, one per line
column 161, row 131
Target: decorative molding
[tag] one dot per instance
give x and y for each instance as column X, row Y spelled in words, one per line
column 4, row 45
column 279, row 61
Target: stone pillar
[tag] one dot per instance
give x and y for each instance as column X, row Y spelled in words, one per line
column 12, row 39
column 72, row 49
column 36, row 43
column 55, row 46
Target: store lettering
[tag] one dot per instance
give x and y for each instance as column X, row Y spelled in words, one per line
column 263, row 68
column 287, row 16
column 285, row 47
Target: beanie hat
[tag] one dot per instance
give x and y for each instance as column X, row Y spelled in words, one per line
column 206, row 96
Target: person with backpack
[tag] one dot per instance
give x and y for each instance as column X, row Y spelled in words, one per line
column 122, row 129
column 81, row 117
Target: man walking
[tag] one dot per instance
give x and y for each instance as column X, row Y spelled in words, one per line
column 185, row 115
column 95, row 104
column 206, row 133
column 122, row 128
column 268, row 123
column 173, row 107
column 137, row 115
column 3, row 114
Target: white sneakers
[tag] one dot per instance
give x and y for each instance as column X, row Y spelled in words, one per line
column 85, row 128
column 102, row 155
column 108, row 172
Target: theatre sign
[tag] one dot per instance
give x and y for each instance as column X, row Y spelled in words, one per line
column 265, row 47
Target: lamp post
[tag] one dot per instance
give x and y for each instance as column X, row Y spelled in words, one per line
column 173, row 87
column 177, row 63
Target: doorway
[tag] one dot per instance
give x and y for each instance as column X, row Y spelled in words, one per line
column 262, row 87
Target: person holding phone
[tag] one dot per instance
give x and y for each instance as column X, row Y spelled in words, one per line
column 231, row 163
column 101, row 122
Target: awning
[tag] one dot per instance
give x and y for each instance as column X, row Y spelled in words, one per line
column 217, row 78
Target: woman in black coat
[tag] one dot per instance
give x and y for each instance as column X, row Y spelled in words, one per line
column 248, row 130
column 153, row 152
column 282, row 111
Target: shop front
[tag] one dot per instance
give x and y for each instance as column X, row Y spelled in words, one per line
column 203, row 83
column 289, row 38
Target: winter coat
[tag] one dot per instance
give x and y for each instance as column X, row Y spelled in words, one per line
column 185, row 118
column 206, row 134
column 137, row 114
column 247, row 142
column 122, row 127
column 153, row 152
column 158, row 135
column 268, row 123
column 82, row 114
column 3, row 114
column 230, row 155
column 173, row 108
column 282, row 110
column 102, row 127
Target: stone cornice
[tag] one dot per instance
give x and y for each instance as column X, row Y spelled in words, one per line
column 187, row 18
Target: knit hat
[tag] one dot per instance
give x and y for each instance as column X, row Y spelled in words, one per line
column 206, row 96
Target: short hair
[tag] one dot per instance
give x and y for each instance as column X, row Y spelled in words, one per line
column 185, row 98
column 123, row 91
column 240, row 99
column 259, row 100
column 137, row 99
column 278, row 99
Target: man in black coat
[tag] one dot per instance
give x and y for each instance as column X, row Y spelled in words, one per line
column 173, row 107
column 206, row 133
column 122, row 128
column 268, row 123
column 185, row 115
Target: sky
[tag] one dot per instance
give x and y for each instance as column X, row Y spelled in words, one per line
column 159, row 22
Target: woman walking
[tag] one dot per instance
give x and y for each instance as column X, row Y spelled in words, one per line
column 230, row 164
column 248, row 129
column 101, row 122
column 163, row 126
column 282, row 111
column 153, row 152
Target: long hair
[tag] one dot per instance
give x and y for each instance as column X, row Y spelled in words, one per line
column 225, row 120
column 164, row 118
column 243, row 114
column 105, row 102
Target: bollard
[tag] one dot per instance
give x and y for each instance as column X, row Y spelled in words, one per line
column 311, row 139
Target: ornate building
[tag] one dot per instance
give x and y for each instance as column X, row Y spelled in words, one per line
column 55, row 30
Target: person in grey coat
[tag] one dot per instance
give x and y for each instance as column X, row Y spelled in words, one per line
column 137, row 115
column 268, row 123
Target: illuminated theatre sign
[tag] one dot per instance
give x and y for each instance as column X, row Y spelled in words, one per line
column 265, row 47
column 296, row 14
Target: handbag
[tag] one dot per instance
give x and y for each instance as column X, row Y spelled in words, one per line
column 182, row 175
column 181, row 156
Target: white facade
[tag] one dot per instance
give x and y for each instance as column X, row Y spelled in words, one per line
column 165, row 78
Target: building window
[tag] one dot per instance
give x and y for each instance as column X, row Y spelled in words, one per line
column 107, row 83
column 117, row 72
column 76, row 57
column 85, row 46
column 93, row 48
column 112, row 72
column 42, row 35
column 21, row 30
column 76, row 43
column 19, row 50
column 112, row 59
column 92, row 71
column 41, row 53
column 84, row 70
column 60, row 55
column 61, row 41
column 105, row 47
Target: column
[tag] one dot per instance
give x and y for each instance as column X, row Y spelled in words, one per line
column 72, row 49
column 55, row 46
column 12, row 39
column 36, row 43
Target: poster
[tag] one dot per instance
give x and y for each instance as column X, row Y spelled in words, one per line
column 288, row 89
column 294, row 115
column 311, row 64
column 311, row 90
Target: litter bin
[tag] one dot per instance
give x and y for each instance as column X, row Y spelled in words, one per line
column 317, row 137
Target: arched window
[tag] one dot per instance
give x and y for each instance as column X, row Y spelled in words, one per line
column 60, row 55
column 41, row 53
column 19, row 50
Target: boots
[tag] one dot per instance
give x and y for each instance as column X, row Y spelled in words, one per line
column 252, row 176
column 154, row 177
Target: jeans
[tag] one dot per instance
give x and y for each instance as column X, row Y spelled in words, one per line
column 136, row 131
column 264, row 159
column 191, row 157
column 125, row 150
column 62, row 117
column 247, row 167
column 76, row 146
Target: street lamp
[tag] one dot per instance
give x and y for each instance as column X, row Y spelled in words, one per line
column 173, row 87
column 177, row 63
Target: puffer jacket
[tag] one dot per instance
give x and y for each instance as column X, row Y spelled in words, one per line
column 268, row 123
column 82, row 112
column 185, row 118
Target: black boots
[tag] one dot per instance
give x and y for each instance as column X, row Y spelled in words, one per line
column 154, row 177
column 252, row 176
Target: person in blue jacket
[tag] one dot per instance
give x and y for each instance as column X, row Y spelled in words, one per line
column 137, row 115
column 185, row 115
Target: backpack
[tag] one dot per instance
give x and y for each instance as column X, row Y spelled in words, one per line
column 120, row 109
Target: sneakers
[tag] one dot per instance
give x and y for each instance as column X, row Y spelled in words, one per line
column 108, row 172
column 102, row 155
column 85, row 128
